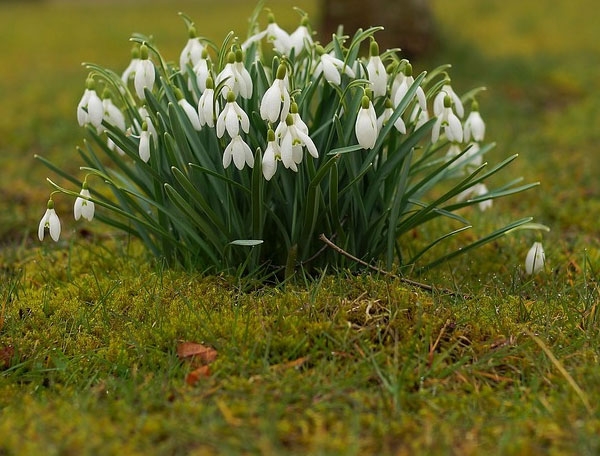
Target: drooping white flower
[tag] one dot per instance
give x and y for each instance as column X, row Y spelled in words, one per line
column 385, row 116
column 235, row 76
column 474, row 126
column 449, row 123
column 144, row 145
column 331, row 67
column 191, row 52
column 130, row 70
column 366, row 124
column 83, row 207
column 206, row 105
column 51, row 221
column 202, row 70
column 274, row 34
column 402, row 83
column 439, row 103
column 275, row 104
column 535, row 259
column 231, row 117
column 145, row 115
column 240, row 152
column 292, row 139
column 144, row 73
column 90, row 109
column 301, row 38
column 271, row 156
column 376, row 71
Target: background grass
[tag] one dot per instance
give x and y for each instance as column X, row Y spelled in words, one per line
column 89, row 328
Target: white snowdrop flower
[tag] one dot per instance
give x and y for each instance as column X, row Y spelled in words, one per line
column 331, row 67
column 90, row 109
column 449, row 123
column 190, row 111
column 231, row 117
column 202, row 70
column 292, row 141
column 274, row 34
column 144, row 145
column 242, row 75
column 51, row 221
column 130, row 70
column 271, row 156
column 83, row 207
column 439, row 103
column 385, row 116
column 191, row 52
column 145, row 115
column 376, row 71
column 144, row 74
column 366, row 124
column 206, row 105
column 112, row 114
column 535, row 259
column 301, row 38
column 240, row 152
column 275, row 103
column 235, row 76
column 474, row 126
column 402, row 83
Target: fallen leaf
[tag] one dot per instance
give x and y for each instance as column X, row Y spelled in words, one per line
column 197, row 374
column 193, row 350
column 6, row 354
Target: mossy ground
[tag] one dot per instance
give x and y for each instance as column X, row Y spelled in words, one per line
column 344, row 364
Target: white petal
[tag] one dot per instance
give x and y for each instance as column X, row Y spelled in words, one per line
column 536, row 257
column 191, row 113
column 54, row 225
column 269, row 163
column 95, row 109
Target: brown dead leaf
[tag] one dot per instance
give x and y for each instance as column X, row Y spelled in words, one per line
column 197, row 374
column 6, row 354
column 195, row 351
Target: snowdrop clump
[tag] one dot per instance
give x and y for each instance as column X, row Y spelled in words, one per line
column 362, row 141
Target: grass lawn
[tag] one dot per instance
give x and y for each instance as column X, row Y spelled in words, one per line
column 105, row 351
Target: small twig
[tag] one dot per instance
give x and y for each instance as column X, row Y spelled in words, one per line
column 413, row 283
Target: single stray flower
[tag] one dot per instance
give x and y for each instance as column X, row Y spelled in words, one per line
column 534, row 262
column 83, row 206
column 49, row 220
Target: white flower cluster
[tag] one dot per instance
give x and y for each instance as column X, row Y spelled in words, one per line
column 225, row 100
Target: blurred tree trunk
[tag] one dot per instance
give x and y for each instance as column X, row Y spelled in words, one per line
column 408, row 24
